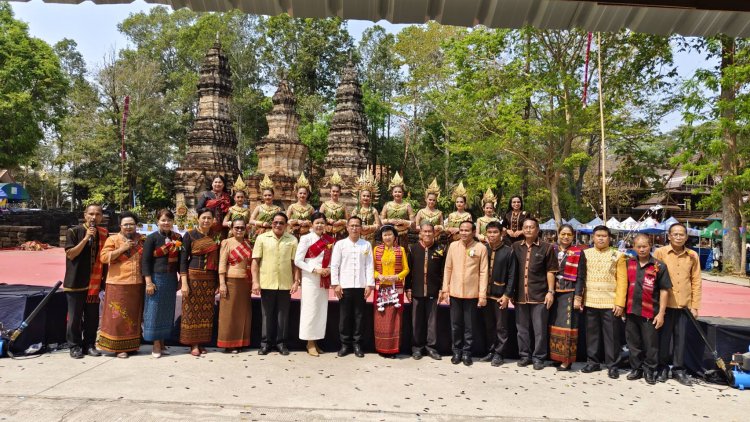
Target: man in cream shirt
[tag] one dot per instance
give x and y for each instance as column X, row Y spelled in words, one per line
column 352, row 278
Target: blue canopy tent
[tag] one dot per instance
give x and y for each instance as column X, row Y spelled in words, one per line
column 549, row 225
column 3, row 198
column 575, row 223
column 14, row 192
column 588, row 228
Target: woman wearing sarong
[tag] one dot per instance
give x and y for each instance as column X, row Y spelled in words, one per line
column 514, row 218
column 430, row 213
column 489, row 200
column 160, row 262
column 398, row 213
column 366, row 187
column 454, row 220
column 237, row 210
column 391, row 269
column 563, row 338
column 313, row 257
column 299, row 213
column 199, row 263
column 120, row 327
column 235, row 311
column 263, row 214
column 217, row 200
column 334, row 211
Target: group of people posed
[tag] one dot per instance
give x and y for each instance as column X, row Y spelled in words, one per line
column 479, row 268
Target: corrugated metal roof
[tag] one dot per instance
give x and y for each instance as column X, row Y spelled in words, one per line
column 685, row 17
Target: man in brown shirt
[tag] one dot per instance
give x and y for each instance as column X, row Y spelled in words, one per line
column 465, row 283
column 536, row 266
column 685, row 272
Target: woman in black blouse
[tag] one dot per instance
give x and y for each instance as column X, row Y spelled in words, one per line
column 160, row 262
column 514, row 218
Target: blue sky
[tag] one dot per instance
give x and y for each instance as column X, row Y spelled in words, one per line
column 94, row 28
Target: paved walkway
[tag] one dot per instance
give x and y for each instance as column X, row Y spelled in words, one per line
column 246, row 386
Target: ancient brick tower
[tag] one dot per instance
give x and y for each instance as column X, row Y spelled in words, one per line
column 281, row 155
column 212, row 144
column 348, row 145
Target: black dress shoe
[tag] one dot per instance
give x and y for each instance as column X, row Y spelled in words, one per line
column 91, row 351
column 524, row 362
column 663, row 374
column 358, row 351
column 591, row 367
column 467, row 360
column 282, row 349
column 650, row 376
column 538, row 365
column 417, row 355
column 456, row 359
column 497, row 360
column 434, row 354
column 345, row 350
column 613, row 372
column 635, row 374
column 487, row 358
column 264, row 350
column 76, row 352
column 682, row 377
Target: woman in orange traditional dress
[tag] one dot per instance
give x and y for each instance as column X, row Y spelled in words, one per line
column 391, row 269
column 235, row 309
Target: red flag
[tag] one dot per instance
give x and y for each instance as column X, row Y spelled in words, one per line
column 125, row 110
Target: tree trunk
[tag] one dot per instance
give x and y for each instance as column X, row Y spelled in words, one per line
column 553, row 184
column 731, row 197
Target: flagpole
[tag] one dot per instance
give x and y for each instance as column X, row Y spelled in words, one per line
column 601, row 121
column 123, row 157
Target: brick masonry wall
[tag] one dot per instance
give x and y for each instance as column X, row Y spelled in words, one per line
column 43, row 226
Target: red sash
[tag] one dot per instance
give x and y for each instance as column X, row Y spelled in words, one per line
column 324, row 245
column 171, row 250
column 222, row 203
column 572, row 258
column 137, row 250
column 397, row 267
column 647, row 289
column 206, row 246
column 97, row 270
column 243, row 252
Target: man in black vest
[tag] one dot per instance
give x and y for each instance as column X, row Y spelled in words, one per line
column 502, row 277
column 426, row 260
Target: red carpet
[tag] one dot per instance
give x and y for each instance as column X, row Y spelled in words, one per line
column 44, row 268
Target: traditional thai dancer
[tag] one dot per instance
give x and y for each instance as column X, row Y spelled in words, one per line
column 262, row 215
column 430, row 213
column 454, row 220
column 239, row 208
column 366, row 187
column 299, row 213
column 334, row 211
column 489, row 201
column 398, row 213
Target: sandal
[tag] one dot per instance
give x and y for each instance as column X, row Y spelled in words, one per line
column 122, row 355
column 195, row 351
column 202, row 350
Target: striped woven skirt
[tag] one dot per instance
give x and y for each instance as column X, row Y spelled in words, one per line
column 563, row 330
column 197, row 322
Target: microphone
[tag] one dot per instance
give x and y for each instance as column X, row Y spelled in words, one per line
column 91, row 239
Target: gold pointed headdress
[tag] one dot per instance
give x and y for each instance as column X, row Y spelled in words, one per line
column 489, row 197
column 367, row 182
column 302, row 182
column 239, row 185
column 266, row 183
column 433, row 189
column 396, row 181
column 459, row 190
column 335, row 179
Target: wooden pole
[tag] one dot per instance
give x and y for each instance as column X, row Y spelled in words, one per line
column 602, row 152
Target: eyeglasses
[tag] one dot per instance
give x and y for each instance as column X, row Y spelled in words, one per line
column 279, row 223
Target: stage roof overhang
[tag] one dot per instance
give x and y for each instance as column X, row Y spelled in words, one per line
column 661, row 17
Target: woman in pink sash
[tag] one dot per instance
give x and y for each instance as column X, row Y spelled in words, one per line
column 391, row 268
column 313, row 257
column 235, row 310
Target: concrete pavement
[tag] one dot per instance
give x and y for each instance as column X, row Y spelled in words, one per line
column 246, row 386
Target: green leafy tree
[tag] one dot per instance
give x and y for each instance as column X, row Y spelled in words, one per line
column 32, row 90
